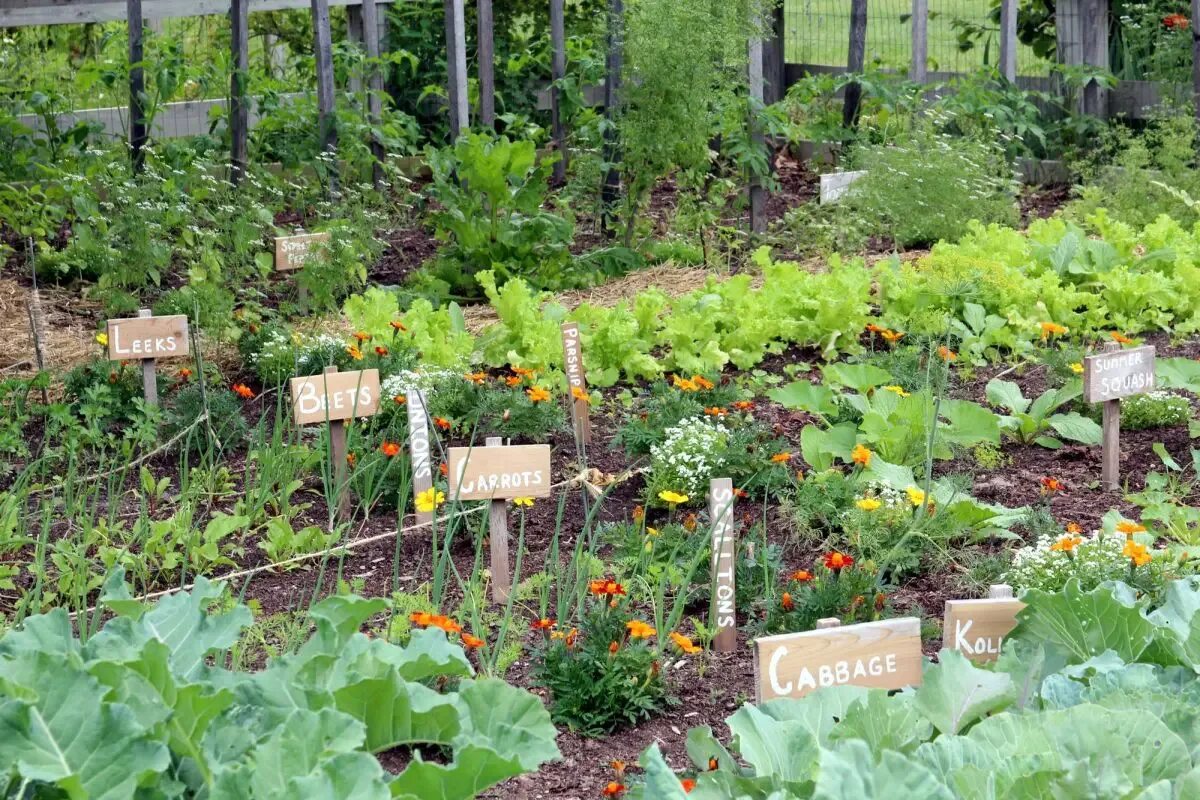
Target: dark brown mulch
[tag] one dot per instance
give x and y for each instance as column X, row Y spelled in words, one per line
column 1040, row 202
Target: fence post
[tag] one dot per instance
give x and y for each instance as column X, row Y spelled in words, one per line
column 326, row 122
column 775, row 58
column 558, row 71
column 1008, row 40
column 1095, row 54
column 456, row 68
column 354, row 33
column 612, row 89
column 239, row 24
column 856, row 60
column 758, row 195
column 137, row 85
column 1196, row 57
column 371, row 37
column 919, row 71
column 487, row 67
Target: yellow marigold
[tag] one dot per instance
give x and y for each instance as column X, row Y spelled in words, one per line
column 674, row 498
column 1136, row 553
column 868, row 504
column 684, row 385
column 639, row 630
column 354, row 352
column 102, row 339
column 1077, row 368
column 538, row 394
column 702, row 382
column 430, row 499
column 1066, row 544
column 1052, row 329
column 580, row 394
column 915, row 495
column 684, row 643
column 892, row 336
column 523, row 502
column 1129, row 528
column 898, row 390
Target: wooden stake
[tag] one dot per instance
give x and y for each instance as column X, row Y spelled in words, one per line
column 137, row 85
column 1008, row 39
column 724, row 565
column 371, row 36
column 918, row 71
column 1196, row 57
column 149, row 371
column 758, row 194
column 456, row 65
column 487, row 66
column 341, row 467
column 576, row 379
column 239, row 111
column 612, row 90
column 326, row 122
column 1110, row 464
column 558, row 71
column 498, row 538
column 854, row 64
column 420, row 452
column 774, row 62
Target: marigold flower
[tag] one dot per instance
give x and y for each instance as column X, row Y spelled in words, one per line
column 837, row 561
column 1052, row 329
column 523, row 502
column 513, row 381
column 1051, row 485
column 639, row 513
column 740, row 493
column 354, row 352
column 184, row 374
column 743, row 405
column 896, row 390
column 426, row 620
column 579, row 393
column 390, row 449
column 613, row 647
column 781, row 458
column 400, row 400
column 861, row 455
column 785, row 602
column 613, row 789
column 802, row 576
column 690, row 522
column 946, row 354
column 1077, row 368
column 651, row 532
column 639, row 630
column 1120, row 338
column 868, row 504
column 1176, row 22
column 351, row 459
column 618, row 766
column 684, row 643
column 674, row 498
column 1074, row 529
column 537, row 394
column 421, row 618
column 102, row 339
column 472, row 642
column 397, row 325
column 243, row 391
column 444, row 469
column 915, row 495
column 571, row 636
column 683, row 384
column 873, row 328
column 478, row 378
column 716, row 411
column 380, row 350
column 1130, row 528
column 688, row 784
column 702, row 382
column 1136, row 552
column 362, row 336
column 543, row 624
column 891, row 337
column 521, row 371
column 429, row 500
column 712, row 764
column 442, row 423
column 605, row 588
column 1066, row 544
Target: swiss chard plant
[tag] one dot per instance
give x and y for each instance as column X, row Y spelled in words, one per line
column 144, row 707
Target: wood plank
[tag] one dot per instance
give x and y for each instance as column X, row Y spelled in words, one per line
column 335, row 395
column 614, row 58
column 293, row 252
column 724, row 565
column 487, row 66
column 323, row 49
column 491, row 473
column 456, row 68
column 855, row 61
column 420, row 450
column 498, row 540
column 558, row 71
column 372, row 40
column 918, row 71
column 138, row 135
column 976, row 628
column 774, row 58
column 23, row 13
column 147, row 336
column 239, row 78
column 576, row 379
column 758, row 194
column 1118, row 373
column 1008, row 39
column 884, row 655
column 1196, row 60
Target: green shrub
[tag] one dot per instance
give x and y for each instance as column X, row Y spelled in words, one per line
column 1154, row 410
column 225, row 418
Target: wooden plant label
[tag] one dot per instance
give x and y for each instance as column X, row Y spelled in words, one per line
column 976, row 628
column 499, row 473
column 419, row 449
column 884, row 655
column 724, row 562
column 148, row 337
column 573, row 364
column 335, row 396
column 291, row 252
column 1117, row 374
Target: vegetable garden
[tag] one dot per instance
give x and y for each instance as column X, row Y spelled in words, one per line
column 580, row 400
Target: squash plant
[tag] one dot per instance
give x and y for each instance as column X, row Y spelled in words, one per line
column 144, row 708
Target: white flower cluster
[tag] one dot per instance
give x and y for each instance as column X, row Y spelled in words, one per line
column 885, row 494
column 1097, row 558
column 424, row 380
column 689, row 456
column 1155, row 409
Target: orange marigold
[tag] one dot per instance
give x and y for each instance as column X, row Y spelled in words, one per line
column 243, row 391
column 472, row 642
column 786, row 603
column 390, row 449
column 781, row 458
column 861, row 455
column 837, row 561
column 537, row 394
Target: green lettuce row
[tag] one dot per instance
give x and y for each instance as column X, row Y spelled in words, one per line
column 142, row 707
column 1095, row 696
